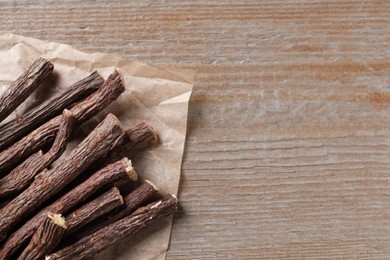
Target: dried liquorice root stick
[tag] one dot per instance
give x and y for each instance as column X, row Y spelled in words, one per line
column 46, row 238
column 25, row 172
column 134, row 200
column 131, row 202
column 107, row 176
column 137, row 138
column 17, row 128
column 21, row 88
column 106, row 136
column 103, row 238
column 93, row 209
column 16, row 180
column 93, row 104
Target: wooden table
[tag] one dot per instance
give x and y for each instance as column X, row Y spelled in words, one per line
column 288, row 139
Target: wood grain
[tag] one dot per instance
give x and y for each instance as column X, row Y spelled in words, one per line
column 288, row 140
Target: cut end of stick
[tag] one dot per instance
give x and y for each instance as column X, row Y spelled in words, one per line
column 143, row 131
column 119, row 72
column 58, row 219
column 130, row 170
column 67, row 113
column 116, row 78
column 116, row 189
column 44, row 60
column 97, row 73
column 152, row 184
column 175, row 197
column 133, row 175
column 115, row 120
column 43, row 63
column 154, row 134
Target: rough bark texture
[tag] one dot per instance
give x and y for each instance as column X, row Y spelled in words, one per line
column 107, row 176
column 21, row 88
column 137, row 138
column 15, row 129
column 131, row 202
column 20, row 176
column 25, row 172
column 103, row 238
column 93, row 104
column 94, row 209
column 106, row 136
column 134, row 200
column 46, row 238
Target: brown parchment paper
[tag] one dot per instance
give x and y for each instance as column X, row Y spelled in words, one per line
column 153, row 93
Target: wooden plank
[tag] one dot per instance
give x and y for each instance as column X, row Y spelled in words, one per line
column 288, row 140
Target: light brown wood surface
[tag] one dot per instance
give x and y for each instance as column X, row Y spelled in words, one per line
column 288, row 140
